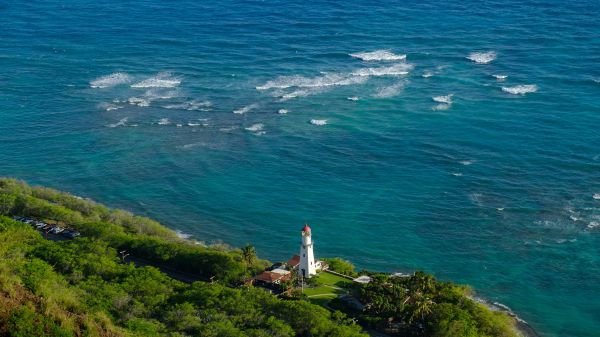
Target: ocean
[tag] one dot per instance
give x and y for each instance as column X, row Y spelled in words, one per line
column 456, row 137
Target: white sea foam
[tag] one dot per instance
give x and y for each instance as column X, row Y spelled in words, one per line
column 457, row 174
column 596, row 196
column 193, row 124
column 139, row 101
column 256, row 127
column 297, row 93
column 390, row 91
column 182, row 235
column 441, row 107
column 122, row 122
column 318, row 121
column 427, row 74
column 245, row 109
column 593, row 224
column 111, row 80
column 326, row 80
column 190, row 106
column 164, row 121
column 398, row 69
column 467, row 162
column 482, row 57
column 229, row 128
column 443, row 99
column 160, row 93
column 161, row 80
column 109, row 106
column 282, row 111
column 500, row 77
column 352, row 98
column 521, row 89
column 379, row 55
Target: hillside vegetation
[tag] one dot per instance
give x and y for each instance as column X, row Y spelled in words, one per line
column 81, row 287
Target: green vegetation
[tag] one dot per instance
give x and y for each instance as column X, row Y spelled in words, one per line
column 419, row 305
column 81, row 287
column 326, row 286
column 341, row 266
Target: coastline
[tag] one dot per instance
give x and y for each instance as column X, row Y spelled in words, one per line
column 72, row 210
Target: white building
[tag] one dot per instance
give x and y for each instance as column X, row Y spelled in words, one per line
column 307, row 266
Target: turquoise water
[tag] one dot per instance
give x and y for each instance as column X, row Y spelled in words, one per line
column 491, row 187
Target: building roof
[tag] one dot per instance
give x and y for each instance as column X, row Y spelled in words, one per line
column 270, row 277
column 280, row 271
column 306, row 228
column 294, row 261
column 363, row 279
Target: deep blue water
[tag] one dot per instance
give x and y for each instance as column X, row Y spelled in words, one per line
column 495, row 189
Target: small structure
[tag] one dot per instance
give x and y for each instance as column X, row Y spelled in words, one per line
column 273, row 277
column 293, row 262
column 307, row 266
column 364, row 279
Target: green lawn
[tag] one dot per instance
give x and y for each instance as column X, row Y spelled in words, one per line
column 333, row 280
column 330, row 288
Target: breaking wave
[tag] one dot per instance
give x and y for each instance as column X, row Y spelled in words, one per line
column 139, row 101
column 122, row 122
column 521, row 89
column 282, row 111
column 327, row 80
column 164, row 121
column 394, row 70
column 245, row 109
column 190, row 106
column 318, row 121
column 162, row 80
column 482, row 57
column 379, row 55
column 443, row 99
column 256, row 127
column 500, row 77
column 111, row 80
column 390, row 91
column 109, row 106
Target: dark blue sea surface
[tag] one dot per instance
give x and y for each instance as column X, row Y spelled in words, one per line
column 388, row 126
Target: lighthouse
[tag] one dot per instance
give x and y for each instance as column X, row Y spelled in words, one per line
column 307, row 266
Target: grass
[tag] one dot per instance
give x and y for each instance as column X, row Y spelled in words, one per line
column 331, row 286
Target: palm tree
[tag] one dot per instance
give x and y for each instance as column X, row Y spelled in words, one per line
column 421, row 307
column 249, row 256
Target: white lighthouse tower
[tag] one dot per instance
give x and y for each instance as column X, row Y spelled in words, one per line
column 307, row 266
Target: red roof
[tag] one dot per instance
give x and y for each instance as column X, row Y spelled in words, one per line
column 294, row 261
column 270, row 277
column 306, row 228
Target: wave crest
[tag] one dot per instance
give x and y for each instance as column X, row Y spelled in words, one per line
column 482, row 57
column 521, row 89
column 110, row 80
column 161, row 80
column 379, row 55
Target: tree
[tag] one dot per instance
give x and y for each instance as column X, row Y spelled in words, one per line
column 341, row 266
column 7, row 202
column 249, row 256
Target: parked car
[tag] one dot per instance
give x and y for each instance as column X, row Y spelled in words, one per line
column 71, row 234
column 47, row 227
column 57, row 230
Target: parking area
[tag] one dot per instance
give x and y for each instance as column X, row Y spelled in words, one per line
column 55, row 230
